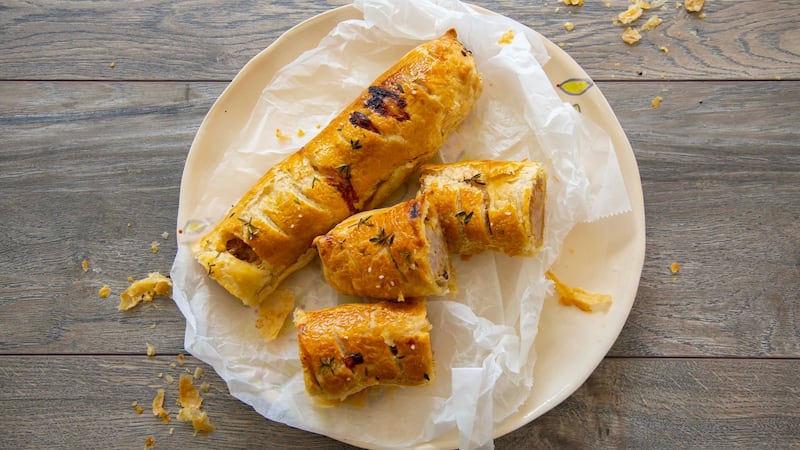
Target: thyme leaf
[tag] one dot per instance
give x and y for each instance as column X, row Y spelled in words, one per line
column 464, row 216
column 475, row 180
column 382, row 239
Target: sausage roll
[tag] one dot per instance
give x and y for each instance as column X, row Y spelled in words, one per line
column 354, row 163
column 488, row 205
column 388, row 253
column 347, row 348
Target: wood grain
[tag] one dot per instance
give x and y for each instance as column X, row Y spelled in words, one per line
column 211, row 40
column 626, row 403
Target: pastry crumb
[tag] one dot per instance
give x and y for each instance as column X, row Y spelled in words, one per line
column 149, row 442
column 165, row 235
column 631, row 36
column 173, row 365
column 171, row 431
column 104, row 291
column 584, row 300
column 656, row 102
column 145, row 290
column 506, row 38
column 154, row 247
column 279, row 134
column 674, row 267
column 300, row 132
column 151, row 350
column 664, row 49
column 137, row 407
column 169, row 379
column 569, row 26
column 651, row 23
column 158, row 406
column 85, row 265
column 630, row 15
column 573, row 2
column 112, row 64
column 181, row 358
column 198, row 373
column 190, row 401
column 153, row 326
column 607, row 4
column 205, row 387
column 693, row 5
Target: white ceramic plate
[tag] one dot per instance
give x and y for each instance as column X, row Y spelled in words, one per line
column 605, row 256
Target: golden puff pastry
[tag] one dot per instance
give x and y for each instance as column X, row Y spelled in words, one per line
column 488, row 205
column 354, row 163
column 388, row 253
column 347, row 348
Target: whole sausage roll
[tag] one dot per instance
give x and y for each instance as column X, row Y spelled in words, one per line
column 388, row 253
column 354, row 163
column 488, row 205
column 347, row 348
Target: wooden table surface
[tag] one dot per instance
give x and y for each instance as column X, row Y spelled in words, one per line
column 100, row 101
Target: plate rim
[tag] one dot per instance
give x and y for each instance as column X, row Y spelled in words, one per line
column 623, row 151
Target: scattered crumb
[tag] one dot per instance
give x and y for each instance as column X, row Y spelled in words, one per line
column 557, row 9
column 506, row 38
column 154, row 246
column 607, row 4
column 151, row 350
column 169, row 378
column 104, row 291
column 584, row 300
column 778, row 78
column 674, row 267
column 165, row 235
column 702, row 15
column 629, row 16
column 149, row 442
column 190, row 402
column 158, row 406
column 693, row 5
column 300, row 132
column 205, row 387
column 272, row 314
column 664, row 49
column 129, row 224
column 280, row 135
column 160, row 374
column 569, row 26
column 678, row 5
column 693, row 32
column 198, row 373
column 85, row 265
column 171, row 431
column 181, row 358
column 137, row 407
column 642, row 4
column 573, row 2
column 651, row 23
column 656, row 101
column 130, row 279
column 113, row 64
column 561, row 44
column 631, row 36
column 145, row 290
column 173, row 365
column 318, row 126
column 153, row 326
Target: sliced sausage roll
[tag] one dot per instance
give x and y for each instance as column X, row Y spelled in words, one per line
column 347, row 348
column 488, row 205
column 388, row 253
column 355, row 163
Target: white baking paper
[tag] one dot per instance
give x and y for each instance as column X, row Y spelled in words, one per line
column 483, row 337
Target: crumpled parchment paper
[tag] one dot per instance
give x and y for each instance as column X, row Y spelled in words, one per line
column 482, row 338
